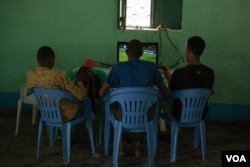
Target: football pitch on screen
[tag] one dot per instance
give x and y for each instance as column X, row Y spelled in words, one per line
column 145, row 56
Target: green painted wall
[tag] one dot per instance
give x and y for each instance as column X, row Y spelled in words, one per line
column 79, row 30
column 226, row 27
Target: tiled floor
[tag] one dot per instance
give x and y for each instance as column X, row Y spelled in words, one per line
column 21, row 150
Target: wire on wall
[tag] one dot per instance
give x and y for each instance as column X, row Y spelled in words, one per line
column 180, row 59
column 160, row 45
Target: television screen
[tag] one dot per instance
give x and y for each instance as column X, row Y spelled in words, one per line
column 150, row 52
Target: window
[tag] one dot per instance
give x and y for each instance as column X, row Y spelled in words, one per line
column 138, row 13
column 141, row 14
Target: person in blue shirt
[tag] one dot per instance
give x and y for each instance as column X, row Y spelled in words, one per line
column 134, row 72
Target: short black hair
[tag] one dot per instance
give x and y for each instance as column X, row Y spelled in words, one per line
column 44, row 53
column 135, row 48
column 196, row 44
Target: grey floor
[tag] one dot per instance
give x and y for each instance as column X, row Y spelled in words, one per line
column 21, row 150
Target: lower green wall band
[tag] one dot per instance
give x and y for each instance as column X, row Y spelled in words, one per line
column 219, row 111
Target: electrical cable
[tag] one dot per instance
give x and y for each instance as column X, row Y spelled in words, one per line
column 160, row 45
column 180, row 59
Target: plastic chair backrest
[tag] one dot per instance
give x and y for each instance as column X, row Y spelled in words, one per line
column 193, row 102
column 48, row 100
column 135, row 103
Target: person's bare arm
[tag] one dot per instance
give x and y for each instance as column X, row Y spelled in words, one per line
column 162, row 87
column 167, row 73
column 104, row 89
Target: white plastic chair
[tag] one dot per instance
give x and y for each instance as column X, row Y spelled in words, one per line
column 28, row 99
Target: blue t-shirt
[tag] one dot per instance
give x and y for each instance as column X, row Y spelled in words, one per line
column 135, row 73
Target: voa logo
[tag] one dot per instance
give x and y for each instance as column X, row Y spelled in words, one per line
column 236, row 158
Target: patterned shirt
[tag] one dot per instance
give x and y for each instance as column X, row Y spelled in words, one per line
column 46, row 77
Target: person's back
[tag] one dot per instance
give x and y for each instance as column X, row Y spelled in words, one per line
column 194, row 75
column 45, row 76
column 134, row 72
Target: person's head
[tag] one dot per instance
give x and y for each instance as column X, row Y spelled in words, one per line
column 134, row 49
column 195, row 47
column 45, row 57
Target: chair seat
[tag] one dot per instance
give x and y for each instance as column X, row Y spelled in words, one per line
column 30, row 99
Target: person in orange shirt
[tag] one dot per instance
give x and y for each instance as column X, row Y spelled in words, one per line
column 45, row 76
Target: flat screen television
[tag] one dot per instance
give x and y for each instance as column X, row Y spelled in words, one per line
column 150, row 51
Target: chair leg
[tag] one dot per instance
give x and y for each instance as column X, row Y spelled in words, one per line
column 56, row 133
column 34, row 114
column 117, row 140
column 52, row 133
column 19, row 111
column 66, row 141
column 155, row 138
column 39, row 138
column 99, row 122
column 106, row 135
column 203, row 139
column 196, row 136
column 174, row 141
column 151, row 143
column 91, row 138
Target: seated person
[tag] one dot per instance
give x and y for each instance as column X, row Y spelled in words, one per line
column 45, row 76
column 133, row 72
column 194, row 75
